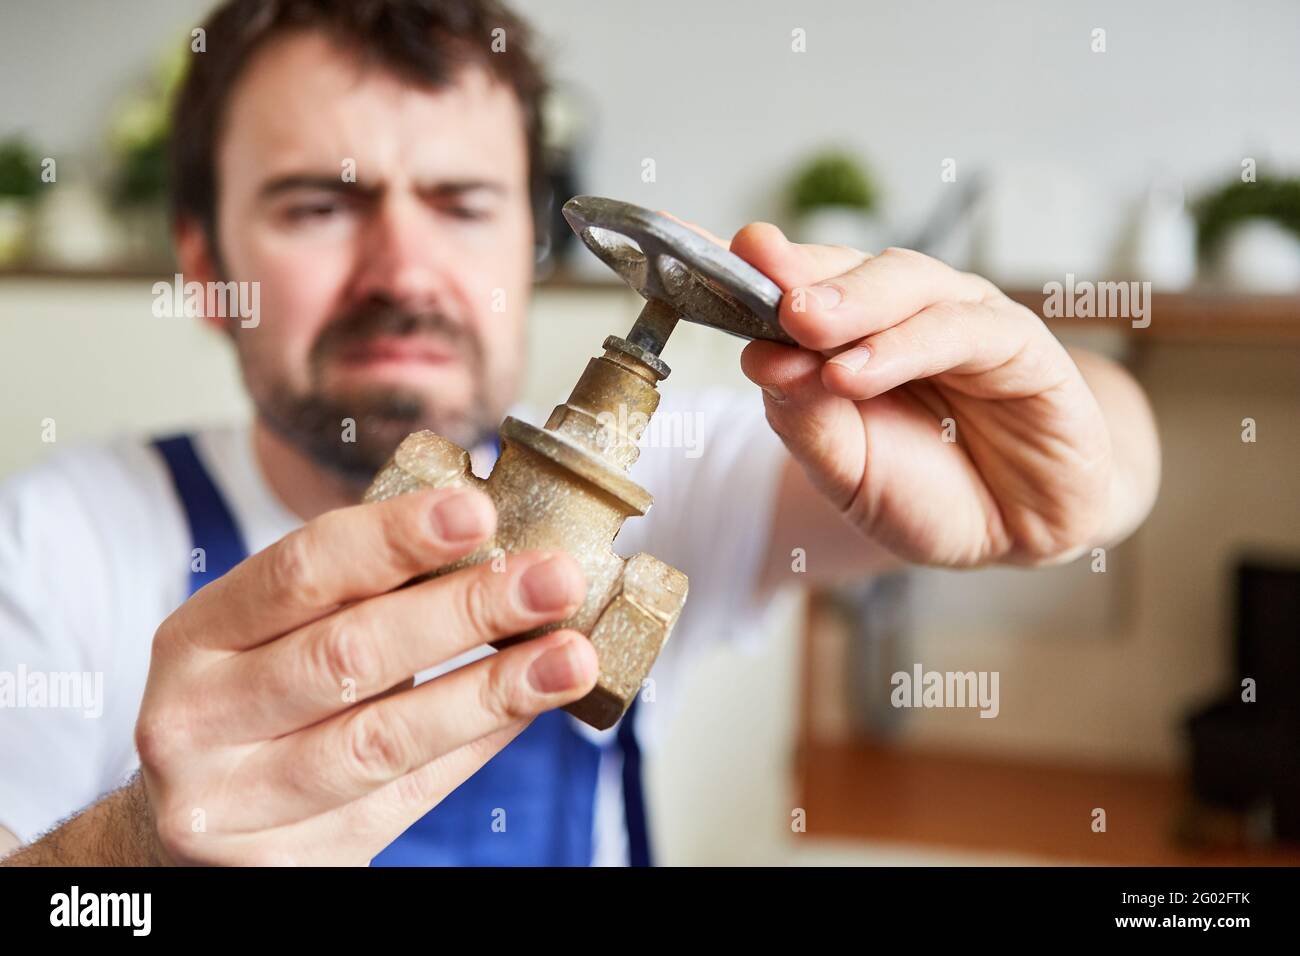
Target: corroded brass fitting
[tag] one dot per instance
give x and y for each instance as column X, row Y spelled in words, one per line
column 565, row 487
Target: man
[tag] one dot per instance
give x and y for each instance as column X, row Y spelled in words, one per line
column 277, row 721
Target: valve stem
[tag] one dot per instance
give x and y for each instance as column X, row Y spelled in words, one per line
column 653, row 326
column 647, row 338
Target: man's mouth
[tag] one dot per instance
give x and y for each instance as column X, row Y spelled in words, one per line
column 396, row 350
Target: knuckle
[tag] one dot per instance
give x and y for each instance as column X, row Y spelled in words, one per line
column 479, row 603
column 417, row 788
column 406, row 536
column 158, row 739
column 167, row 636
column 989, row 289
column 981, row 313
column 176, row 834
column 169, row 647
column 377, row 748
column 290, row 566
column 343, row 653
column 904, row 255
column 905, row 337
column 502, row 693
column 299, row 779
column 1053, row 538
column 953, row 321
column 948, row 313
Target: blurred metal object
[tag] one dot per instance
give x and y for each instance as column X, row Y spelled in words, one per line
column 687, row 274
column 566, row 486
column 954, row 206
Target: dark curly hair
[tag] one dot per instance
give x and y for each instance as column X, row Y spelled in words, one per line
column 424, row 41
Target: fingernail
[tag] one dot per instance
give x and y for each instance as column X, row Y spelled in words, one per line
column 555, row 670
column 546, row 586
column 463, row 516
column 774, row 393
column 852, row 359
column 827, row 296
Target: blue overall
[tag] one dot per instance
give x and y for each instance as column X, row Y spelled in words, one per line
column 533, row 804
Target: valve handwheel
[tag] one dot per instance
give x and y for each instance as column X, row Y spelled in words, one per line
column 681, row 274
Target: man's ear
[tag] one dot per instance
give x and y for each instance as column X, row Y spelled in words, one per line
column 194, row 256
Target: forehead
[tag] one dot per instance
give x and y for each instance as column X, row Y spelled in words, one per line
column 304, row 102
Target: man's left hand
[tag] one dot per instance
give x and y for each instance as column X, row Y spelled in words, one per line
column 941, row 418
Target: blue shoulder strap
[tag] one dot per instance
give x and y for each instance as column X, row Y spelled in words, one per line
column 532, row 804
column 212, row 526
column 634, row 811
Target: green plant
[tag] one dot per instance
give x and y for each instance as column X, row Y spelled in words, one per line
column 832, row 178
column 138, row 135
column 141, row 176
column 1273, row 198
column 20, row 170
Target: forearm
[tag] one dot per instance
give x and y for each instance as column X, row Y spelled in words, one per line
column 1135, row 445
column 116, row 830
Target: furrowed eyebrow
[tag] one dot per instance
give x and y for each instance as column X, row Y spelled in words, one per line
column 301, row 181
column 447, row 189
column 458, row 187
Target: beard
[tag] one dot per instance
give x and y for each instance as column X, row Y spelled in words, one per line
column 355, row 435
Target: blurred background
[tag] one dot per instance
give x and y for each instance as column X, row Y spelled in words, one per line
column 1032, row 142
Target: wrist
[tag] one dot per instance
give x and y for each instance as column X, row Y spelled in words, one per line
column 118, row 830
column 143, row 839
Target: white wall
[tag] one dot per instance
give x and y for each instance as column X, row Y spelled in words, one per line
column 712, row 92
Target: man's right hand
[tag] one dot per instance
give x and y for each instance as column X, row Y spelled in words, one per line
column 279, row 724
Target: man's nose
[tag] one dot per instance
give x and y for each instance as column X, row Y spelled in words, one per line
column 399, row 259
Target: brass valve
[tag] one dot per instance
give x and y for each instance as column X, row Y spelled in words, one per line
column 565, row 486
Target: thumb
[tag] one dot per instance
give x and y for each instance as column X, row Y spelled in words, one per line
column 789, row 264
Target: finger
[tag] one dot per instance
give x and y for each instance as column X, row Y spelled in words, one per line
column 962, row 338
column 342, row 556
column 792, row 265
column 822, row 430
column 878, row 293
column 694, row 228
column 355, row 832
column 365, row 649
column 380, row 817
column 356, row 752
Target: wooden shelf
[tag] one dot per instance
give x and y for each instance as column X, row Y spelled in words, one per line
column 1195, row 318
column 165, row 273
column 114, row 273
column 1201, row 317
column 882, row 794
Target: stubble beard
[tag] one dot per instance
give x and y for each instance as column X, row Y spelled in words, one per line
column 353, row 437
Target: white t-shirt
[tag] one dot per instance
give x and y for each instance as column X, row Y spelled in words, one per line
column 94, row 554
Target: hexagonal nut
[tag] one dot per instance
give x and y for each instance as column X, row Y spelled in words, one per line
column 629, row 635
column 586, row 429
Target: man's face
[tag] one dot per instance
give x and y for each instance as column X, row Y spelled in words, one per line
column 396, row 300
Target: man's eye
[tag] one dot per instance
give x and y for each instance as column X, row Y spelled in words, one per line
column 308, row 211
column 469, row 213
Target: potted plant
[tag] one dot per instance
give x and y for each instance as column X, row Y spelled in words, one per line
column 833, row 202
column 138, row 137
column 1249, row 234
column 20, row 184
